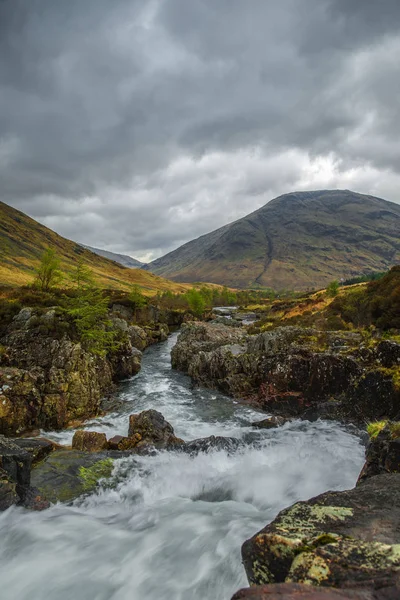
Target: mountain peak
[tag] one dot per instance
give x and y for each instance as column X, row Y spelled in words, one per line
column 298, row 240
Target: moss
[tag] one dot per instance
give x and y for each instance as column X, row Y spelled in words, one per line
column 395, row 430
column 91, row 475
column 374, row 428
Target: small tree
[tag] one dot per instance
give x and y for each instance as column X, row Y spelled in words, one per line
column 89, row 310
column 196, row 302
column 333, row 289
column 83, row 276
column 48, row 274
column 137, row 298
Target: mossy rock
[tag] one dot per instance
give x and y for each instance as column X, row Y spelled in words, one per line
column 67, row 474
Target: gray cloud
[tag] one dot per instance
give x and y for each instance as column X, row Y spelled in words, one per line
column 135, row 126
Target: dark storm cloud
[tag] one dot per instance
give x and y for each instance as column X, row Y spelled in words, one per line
column 139, row 125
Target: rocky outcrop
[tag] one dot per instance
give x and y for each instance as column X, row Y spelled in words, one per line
column 383, row 453
column 290, row 369
column 338, row 539
column 48, row 378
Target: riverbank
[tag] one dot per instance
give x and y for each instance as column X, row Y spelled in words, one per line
column 171, row 525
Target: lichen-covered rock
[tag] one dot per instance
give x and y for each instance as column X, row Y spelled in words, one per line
column 67, row 474
column 153, row 429
column 383, row 453
column 295, row 591
column 338, row 539
column 89, row 441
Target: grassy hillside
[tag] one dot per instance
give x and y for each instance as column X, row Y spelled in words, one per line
column 297, row 241
column 23, row 240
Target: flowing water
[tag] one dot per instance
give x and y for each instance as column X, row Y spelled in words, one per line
column 170, row 526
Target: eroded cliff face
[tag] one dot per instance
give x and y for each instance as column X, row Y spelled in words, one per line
column 292, row 370
column 48, row 378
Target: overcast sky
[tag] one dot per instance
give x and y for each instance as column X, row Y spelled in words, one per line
column 137, row 125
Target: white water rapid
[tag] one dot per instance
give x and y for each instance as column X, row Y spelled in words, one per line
column 171, row 526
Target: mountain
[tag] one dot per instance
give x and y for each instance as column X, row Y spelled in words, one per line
column 297, row 241
column 122, row 259
column 23, row 240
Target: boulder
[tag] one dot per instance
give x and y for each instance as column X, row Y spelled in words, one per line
column 89, row 441
column 383, row 453
column 153, row 429
column 15, row 478
column 338, row 539
column 138, row 337
column 295, row 591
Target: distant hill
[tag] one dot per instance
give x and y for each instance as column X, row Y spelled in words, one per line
column 23, row 240
column 122, row 259
column 297, row 241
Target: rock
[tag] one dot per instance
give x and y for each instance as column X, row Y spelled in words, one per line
column 153, row 429
column 383, row 453
column 388, row 353
column 67, row 474
column 126, row 361
column 270, row 423
column 119, row 442
column 294, row 591
column 8, row 491
column 211, row 443
column 340, row 539
column 50, row 378
column 138, row 337
column 15, row 478
column 89, row 441
column 290, row 370
column 38, row 448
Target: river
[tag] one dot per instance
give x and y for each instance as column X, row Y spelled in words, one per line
column 170, row 526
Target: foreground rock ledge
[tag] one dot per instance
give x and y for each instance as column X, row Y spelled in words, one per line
column 294, row 591
column 338, row 539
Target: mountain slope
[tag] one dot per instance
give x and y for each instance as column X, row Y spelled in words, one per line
column 23, row 240
column 122, row 259
column 297, row 241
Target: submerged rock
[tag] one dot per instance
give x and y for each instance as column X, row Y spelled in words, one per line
column 67, row 474
column 338, row 539
column 270, row 423
column 211, row 443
